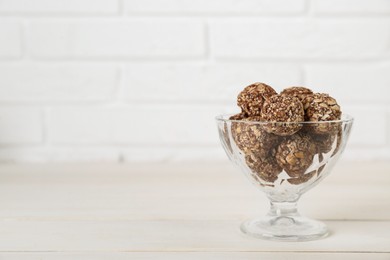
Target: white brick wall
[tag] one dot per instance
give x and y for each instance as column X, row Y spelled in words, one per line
column 20, row 126
column 353, row 82
column 215, row 7
column 351, row 7
column 34, row 81
column 305, row 38
column 69, row 7
column 204, row 81
column 141, row 80
column 132, row 38
column 134, row 124
column 10, row 40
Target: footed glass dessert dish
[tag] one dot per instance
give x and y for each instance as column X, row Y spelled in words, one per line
column 284, row 168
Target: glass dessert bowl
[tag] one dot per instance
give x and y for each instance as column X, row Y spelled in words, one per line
column 284, row 167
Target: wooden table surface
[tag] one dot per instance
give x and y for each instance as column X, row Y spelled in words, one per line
column 180, row 211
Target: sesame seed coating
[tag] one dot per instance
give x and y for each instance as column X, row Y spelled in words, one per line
column 298, row 92
column 251, row 136
column 286, row 110
column 251, row 99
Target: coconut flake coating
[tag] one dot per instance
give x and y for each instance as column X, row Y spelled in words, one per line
column 295, row 154
column 282, row 108
column 298, row 92
column 321, row 107
column 251, row 99
column 263, row 168
column 251, row 137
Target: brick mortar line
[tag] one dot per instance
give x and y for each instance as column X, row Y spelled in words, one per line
column 121, row 8
column 129, row 15
column 164, row 103
column 381, row 57
column 45, row 127
column 117, row 91
column 387, row 125
column 198, row 61
column 308, row 13
column 67, row 145
column 24, row 40
column 207, row 41
column 244, row 17
column 214, row 146
column 307, row 7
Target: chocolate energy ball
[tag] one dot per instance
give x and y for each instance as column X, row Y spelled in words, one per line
column 238, row 116
column 251, row 137
column 323, row 142
column 282, row 108
column 251, row 99
column 225, row 132
column 264, row 168
column 295, row 154
column 321, row 107
column 298, row 92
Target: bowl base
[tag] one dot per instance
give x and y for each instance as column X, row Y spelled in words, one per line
column 285, row 228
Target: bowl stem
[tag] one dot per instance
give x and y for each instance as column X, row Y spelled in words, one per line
column 284, row 223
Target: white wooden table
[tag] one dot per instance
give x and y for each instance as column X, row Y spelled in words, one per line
column 180, row 211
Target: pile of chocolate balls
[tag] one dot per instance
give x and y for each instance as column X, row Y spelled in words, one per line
column 272, row 134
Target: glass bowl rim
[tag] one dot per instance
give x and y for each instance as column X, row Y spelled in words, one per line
column 345, row 118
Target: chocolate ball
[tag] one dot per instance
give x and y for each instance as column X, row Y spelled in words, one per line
column 225, row 133
column 321, row 107
column 323, row 142
column 298, row 92
column 251, row 137
column 251, row 99
column 286, row 110
column 263, row 168
column 295, row 154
